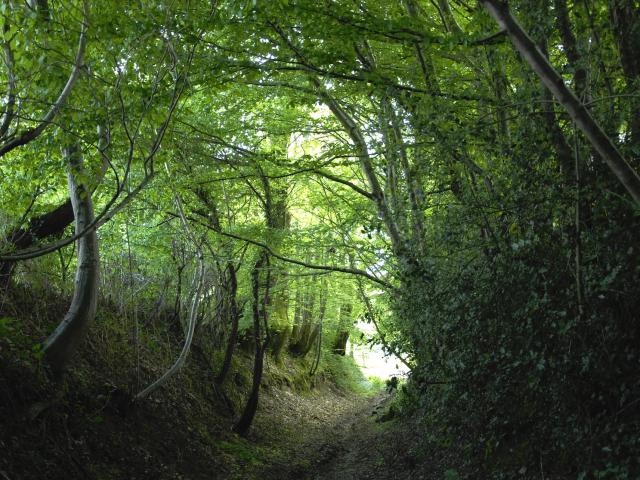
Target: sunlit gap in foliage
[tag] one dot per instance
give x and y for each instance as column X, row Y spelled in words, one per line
column 371, row 358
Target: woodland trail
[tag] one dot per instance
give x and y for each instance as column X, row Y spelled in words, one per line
column 341, row 440
column 357, row 452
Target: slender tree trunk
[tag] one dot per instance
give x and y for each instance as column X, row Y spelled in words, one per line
column 499, row 83
column 177, row 304
column 281, row 339
column 372, row 316
column 578, row 234
column 235, row 320
column 198, row 286
column 625, row 17
column 297, row 316
column 359, row 141
column 244, row 423
column 426, row 64
column 570, row 47
column 193, row 314
column 316, row 360
column 61, row 344
column 555, row 83
column 449, row 20
column 232, row 287
column 412, row 184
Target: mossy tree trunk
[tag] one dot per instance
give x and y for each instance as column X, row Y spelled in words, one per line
column 301, row 344
column 277, row 218
column 342, row 336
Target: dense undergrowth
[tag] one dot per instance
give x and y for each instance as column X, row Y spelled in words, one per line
column 517, row 377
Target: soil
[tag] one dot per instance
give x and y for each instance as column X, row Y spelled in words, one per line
column 316, row 435
column 333, row 436
column 86, row 428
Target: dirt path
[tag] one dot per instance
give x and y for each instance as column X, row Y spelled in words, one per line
column 329, row 436
column 356, row 452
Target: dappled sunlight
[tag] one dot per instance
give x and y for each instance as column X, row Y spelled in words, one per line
column 372, row 360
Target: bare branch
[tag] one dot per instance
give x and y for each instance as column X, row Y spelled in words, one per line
column 337, row 179
column 327, row 268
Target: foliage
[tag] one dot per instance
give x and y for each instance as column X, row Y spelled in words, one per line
column 399, row 162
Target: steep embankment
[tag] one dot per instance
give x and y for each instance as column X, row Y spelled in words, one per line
column 88, row 429
column 91, row 431
column 319, row 427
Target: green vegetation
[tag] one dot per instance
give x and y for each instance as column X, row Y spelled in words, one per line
column 200, row 201
column 347, row 377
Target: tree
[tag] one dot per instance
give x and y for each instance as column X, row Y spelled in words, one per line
column 260, row 315
column 61, row 344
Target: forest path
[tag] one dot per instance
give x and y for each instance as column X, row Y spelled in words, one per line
column 334, row 437
column 356, row 451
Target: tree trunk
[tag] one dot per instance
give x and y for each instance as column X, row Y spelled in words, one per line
column 50, row 224
column 342, row 336
column 340, row 343
column 244, row 423
column 626, row 30
column 231, row 278
column 577, row 111
column 280, row 341
column 297, row 314
column 301, row 346
column 193, row 314
column 235, row 320
column 357, row 137
column 198, row 287
column 277, row 219
column 61, row 344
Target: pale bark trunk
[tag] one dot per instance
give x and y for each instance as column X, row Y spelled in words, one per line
column 554, row 82
column 61, row 344
column 198, row 286
column 193, row 314
column 50, row 224
column 352, row 129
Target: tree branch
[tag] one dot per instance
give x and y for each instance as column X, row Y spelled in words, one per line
column 336, row 179
column 328, row 268
column 78, row 62
column 555, row 83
